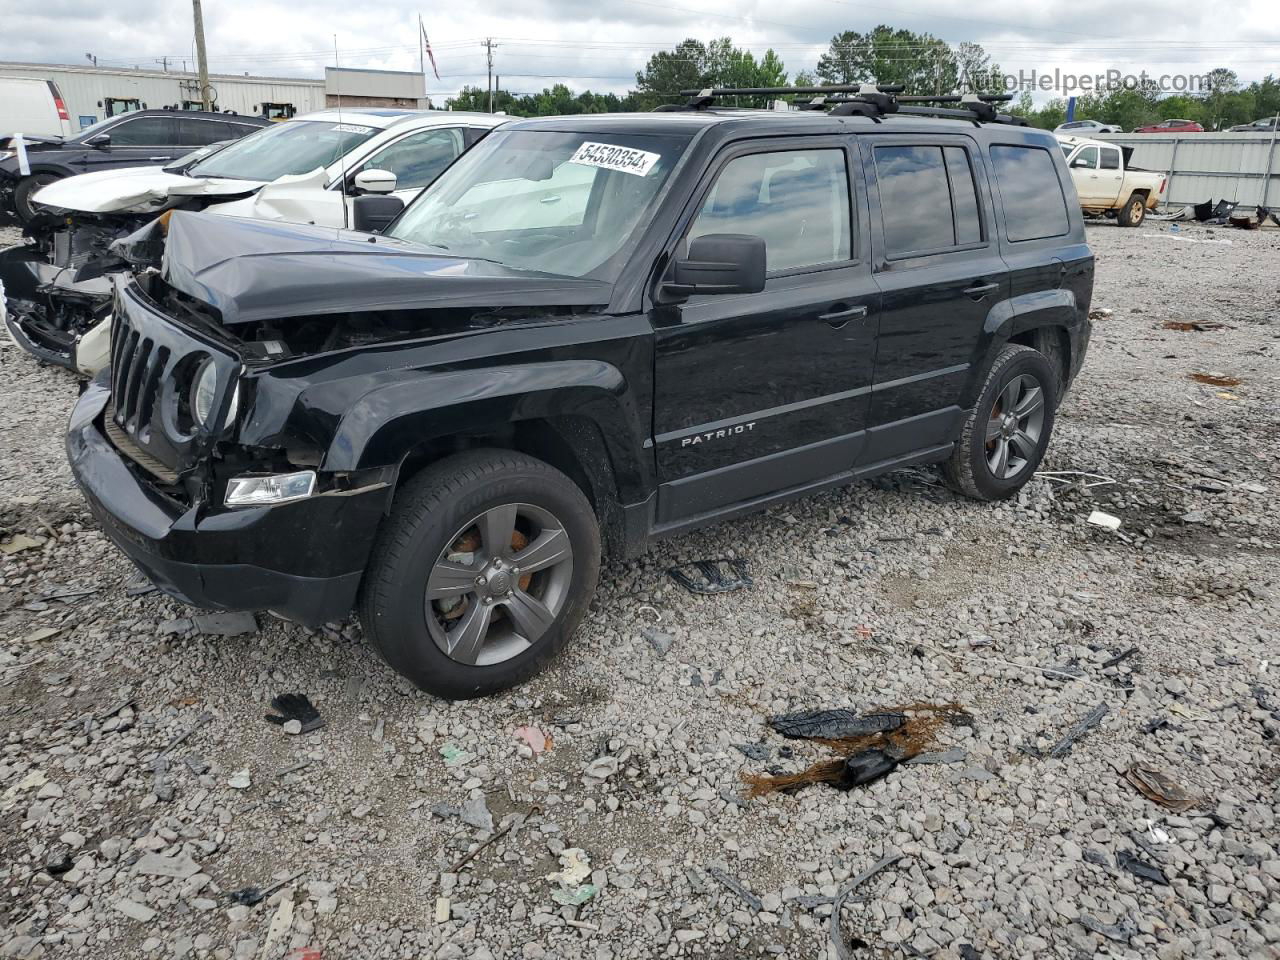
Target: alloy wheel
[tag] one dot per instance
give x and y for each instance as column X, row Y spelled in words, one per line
column 1015, row 426
column 499, row 585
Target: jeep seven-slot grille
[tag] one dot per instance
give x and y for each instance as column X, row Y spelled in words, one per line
column 137, row 365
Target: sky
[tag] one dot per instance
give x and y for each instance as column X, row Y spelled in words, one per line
column 599, row 44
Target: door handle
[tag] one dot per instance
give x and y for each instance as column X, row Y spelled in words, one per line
column 980, row 290
column 838, row 318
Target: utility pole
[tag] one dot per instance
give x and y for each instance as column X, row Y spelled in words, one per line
column 488, row 44
column 201, row 63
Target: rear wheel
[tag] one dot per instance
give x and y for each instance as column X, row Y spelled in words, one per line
column 1134, row 212
column 1005, row 435
column 481, row 573
column 23, row 191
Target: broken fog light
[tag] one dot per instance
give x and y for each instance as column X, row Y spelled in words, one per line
column 204, row 388
column 269, row 490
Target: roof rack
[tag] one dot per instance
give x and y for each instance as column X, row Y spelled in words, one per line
column 867, row 100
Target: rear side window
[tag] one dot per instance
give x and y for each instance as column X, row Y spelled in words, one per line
column 201, row 133
column 1034, row 204
column 796, row 200
column 928, row 201
column 143, row 132
column 1110, row 160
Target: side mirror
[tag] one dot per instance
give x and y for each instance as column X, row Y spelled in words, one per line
column 719, row 263
column 100, row 141
column 373, row 213
column 1079, row 162
column 375, row 181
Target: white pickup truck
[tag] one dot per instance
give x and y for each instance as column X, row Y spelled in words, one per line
column 1107, row 184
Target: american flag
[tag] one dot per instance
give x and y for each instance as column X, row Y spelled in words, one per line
column 431, row 56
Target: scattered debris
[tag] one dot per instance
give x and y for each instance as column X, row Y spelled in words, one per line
column 1119, row 658
column 20, row 542
column 41, row 634
column 1120, row 932
column 1097, row 857
column 1104, row 520
column 745, row 895
column 181, row 738
column 1140, row 868
column 535, row 809
column 475, row 813
column 251, row 896
column 537, row 740
column 954, row 755
column 1160, row 788
column 225, row 624
column 758, row 752
column 1078, row 730
column 575, row 868
column 876, row 744
column 834, row 724
column 1077, row 478
column 837, row 938
column 454, row 755
column 1197, row 326
column 442, row 909
column 712, row 576
column 659, row 639
column 239, row 780
column 1214, row 380
column 1100, row 313
column 295, row 708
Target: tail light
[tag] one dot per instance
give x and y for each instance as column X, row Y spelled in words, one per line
column 58, row 101
column 1163, row 181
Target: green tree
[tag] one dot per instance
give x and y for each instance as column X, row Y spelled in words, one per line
column 920, row 61
column 693, row 65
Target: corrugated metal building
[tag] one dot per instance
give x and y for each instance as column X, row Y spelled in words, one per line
column 93, row 93
column 375, row 88
column 1242, row 167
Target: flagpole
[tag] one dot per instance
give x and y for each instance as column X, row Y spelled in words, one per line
column 422, row 56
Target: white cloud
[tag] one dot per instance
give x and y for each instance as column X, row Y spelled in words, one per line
column 600, row 44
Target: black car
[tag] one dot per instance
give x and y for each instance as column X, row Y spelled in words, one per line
column 592, row 331
column 139, row 139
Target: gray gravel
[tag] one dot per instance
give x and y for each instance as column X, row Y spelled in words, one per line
column 140, row 784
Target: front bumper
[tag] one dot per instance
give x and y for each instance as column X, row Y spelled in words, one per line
column 36, row 290
column 303, row 560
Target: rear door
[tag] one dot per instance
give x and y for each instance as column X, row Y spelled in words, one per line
column 766, row 392
column 1110, row 176
column 941, row 275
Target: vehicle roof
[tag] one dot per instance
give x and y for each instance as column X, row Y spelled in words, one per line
column 748, row 122
column 385, row 119
column 207, row 114
column 1081, row 141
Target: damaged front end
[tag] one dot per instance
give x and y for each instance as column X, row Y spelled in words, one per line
column 59, row 285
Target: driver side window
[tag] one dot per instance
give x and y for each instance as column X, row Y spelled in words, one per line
column 419, row 158
column 1086, row 158
column 797, row 201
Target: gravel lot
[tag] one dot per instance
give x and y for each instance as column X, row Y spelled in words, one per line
column 118, row 840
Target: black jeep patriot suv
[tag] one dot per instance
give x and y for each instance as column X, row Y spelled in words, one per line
column 591, row 332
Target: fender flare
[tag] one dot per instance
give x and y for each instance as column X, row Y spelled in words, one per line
column 1039, row 309
column 389, row 422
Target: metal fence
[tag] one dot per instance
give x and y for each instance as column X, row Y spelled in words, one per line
column 1241, row 167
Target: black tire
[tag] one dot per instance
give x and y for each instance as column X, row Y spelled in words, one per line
column 969, row 470
column 23, row 191
column 1133, row 212
column 425, row 517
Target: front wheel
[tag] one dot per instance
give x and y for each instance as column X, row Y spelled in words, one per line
column 1134, row 212
column 481, row 573
column 23, row 192
column 1006, row 433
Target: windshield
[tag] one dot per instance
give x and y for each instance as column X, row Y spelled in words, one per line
column 95, row 128
column 282, row 149
column 571, row 204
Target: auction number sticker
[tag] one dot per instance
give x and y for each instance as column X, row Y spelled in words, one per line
column 608, row 156
column 350, row 128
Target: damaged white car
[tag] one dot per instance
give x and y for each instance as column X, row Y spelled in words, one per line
column 58, row 284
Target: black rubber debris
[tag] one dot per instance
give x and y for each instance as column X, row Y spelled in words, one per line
column 1140, row 868
column 712, row 576
column 834, row 724
column 864, row 767
column 295, row 706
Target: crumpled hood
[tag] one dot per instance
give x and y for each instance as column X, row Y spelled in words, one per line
column 251, row 270
column 299, row 198
column 135, row 190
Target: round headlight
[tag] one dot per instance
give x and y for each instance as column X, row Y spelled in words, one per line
column 204, row 390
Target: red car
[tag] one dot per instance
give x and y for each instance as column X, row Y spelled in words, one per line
column 1172, row 126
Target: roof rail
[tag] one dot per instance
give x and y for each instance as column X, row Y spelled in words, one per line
column 868, row 100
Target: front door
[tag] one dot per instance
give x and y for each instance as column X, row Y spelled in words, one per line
column 137, row 141
column 1110, row 177
column 939, row 269
column 761, row 393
